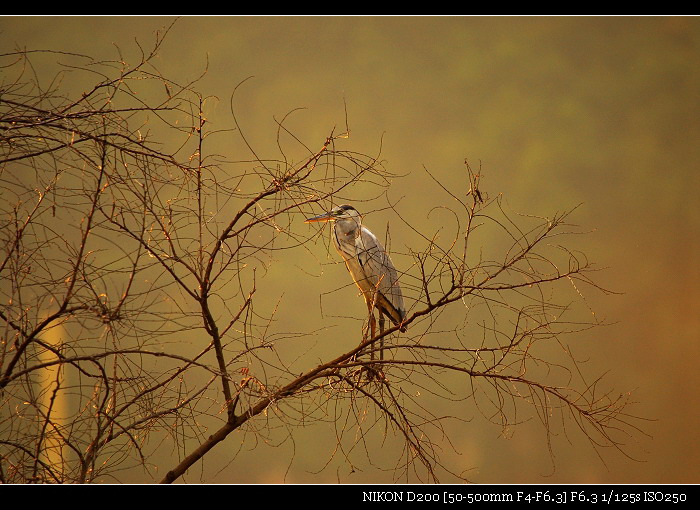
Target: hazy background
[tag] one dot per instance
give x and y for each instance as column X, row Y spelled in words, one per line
column 558, row 111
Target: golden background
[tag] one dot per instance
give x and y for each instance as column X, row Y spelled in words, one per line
column 559, row 111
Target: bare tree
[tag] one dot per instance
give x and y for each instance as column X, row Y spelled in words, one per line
column 133, row 258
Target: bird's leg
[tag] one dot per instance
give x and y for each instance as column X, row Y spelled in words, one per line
column 371, row 369
column 381, row 340
column 373, row 326
column 366, row 329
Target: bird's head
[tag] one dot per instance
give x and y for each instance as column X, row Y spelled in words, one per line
column 342, row 212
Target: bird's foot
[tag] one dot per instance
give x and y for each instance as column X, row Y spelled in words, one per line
column 374, row 372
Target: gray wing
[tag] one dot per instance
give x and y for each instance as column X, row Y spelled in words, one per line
column 379, row 270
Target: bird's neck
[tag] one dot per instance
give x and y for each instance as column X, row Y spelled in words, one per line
column 348, row 227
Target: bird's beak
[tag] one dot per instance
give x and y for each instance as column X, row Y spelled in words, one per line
column 323, row 217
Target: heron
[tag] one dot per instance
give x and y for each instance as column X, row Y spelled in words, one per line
column 369, row 265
